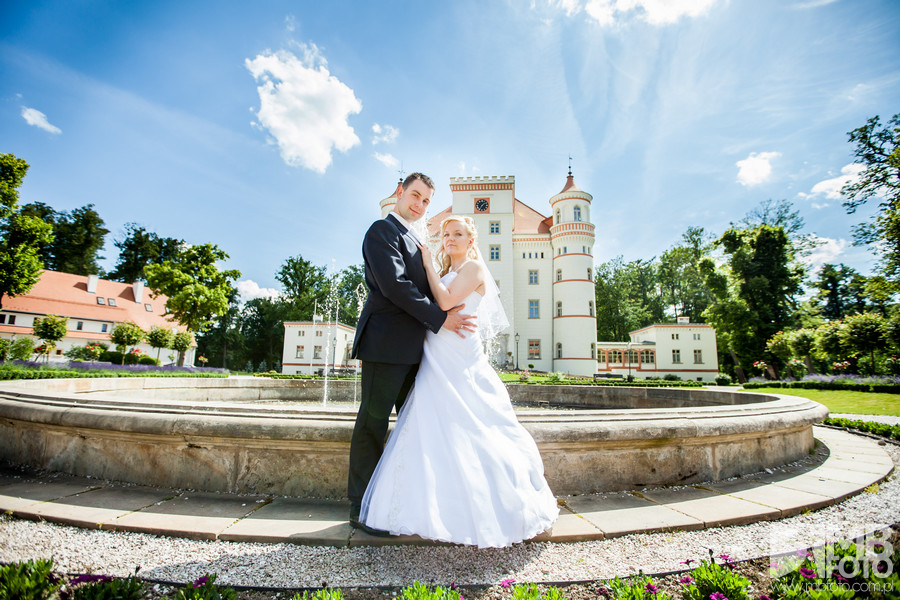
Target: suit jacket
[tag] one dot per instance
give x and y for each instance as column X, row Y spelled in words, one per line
column 400, row 307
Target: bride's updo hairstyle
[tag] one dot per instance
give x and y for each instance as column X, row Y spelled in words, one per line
column 469, row 225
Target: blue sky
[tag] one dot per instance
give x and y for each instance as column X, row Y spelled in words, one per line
column 273, row 128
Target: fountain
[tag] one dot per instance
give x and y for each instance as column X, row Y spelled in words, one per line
column 277, row 437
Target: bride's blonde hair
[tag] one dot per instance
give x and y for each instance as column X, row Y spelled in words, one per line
column 469, row 225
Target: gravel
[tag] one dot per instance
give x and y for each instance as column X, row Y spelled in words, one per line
column 291, row 566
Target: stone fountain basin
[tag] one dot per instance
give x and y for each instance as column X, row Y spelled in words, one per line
column 253, row 435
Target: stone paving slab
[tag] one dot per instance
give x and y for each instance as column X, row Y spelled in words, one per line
column 710, row 507
column 853, row 463
column 294, row 520
column 194, row 515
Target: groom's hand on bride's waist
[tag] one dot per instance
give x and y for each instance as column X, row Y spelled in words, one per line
column 459, row 323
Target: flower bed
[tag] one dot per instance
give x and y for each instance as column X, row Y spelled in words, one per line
column 887, row 385
column 38, row 370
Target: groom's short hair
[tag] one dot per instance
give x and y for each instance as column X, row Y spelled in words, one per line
column 420, row 177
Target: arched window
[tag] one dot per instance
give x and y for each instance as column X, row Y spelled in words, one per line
column 558, row 350
column 576, row 213
column 615, row 357
column 601, row 355
column 591, row 308
column 559, row 309
column 559, row 274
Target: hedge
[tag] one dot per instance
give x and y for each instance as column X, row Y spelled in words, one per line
column 873, row 427
column 884, row 388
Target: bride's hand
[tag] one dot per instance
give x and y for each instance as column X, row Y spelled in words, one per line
column 426, row 256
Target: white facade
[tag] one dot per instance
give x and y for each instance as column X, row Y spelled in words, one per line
column 542, row 265
column 687, row 350
column 316, row 347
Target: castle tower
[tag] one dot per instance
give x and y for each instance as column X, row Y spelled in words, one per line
column 388, row 204
column 574, row 311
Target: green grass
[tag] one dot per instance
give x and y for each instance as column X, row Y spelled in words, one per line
column 839, row 401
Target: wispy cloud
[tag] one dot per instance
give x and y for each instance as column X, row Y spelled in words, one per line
column 304, row 107
column 756, row 168
column 387, row 160
column 655, row 12
column 828, row 250
column 249, row 289
column 831, row 188
column 812, row 4
column 35, row 117
column 384, row 134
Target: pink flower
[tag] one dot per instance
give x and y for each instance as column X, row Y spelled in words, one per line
column 507, row 582
column 651, row 589
column 686, row 579
column 687, row 562
column 718, row 596
column 808, row 573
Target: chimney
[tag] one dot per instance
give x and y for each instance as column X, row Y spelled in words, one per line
column 92, row 284
column 684, row 320
column 138, row 288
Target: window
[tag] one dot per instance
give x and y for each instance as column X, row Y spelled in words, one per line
column 317, row 352
column 532, row 277
column 495, row 226
column 559, row 309
column 648, row 357
column 534, row 309
column 2, row 319
column 79, row 325
column 111, row 301
column 632, row 357
column 529, row 255
column 104, row 327
column 558, row 350
column 696, row 336
column 148, row 307
column 565, row 250
column 590, row 275
column 534, row 349
column 495, row 252
column 11, row 320
column 601, row 355
column 593, row 351
column 576, row 213
column 299, row 353
column 674, row 336
column 676, row 356
column 591, row 308
column 698, row 357
column 101, row 300
column 559, row 274
column 557, row 216
column 542, row 255
column 615, row 356
column 319, row 333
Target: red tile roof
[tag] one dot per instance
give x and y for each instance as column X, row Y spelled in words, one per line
column 66, row 295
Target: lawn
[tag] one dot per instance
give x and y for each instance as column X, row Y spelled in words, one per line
column 839, row 401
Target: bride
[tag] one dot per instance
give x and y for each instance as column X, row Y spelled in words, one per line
column 458, row 466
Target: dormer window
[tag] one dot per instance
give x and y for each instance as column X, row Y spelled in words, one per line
column 111, row 301
column 101, row 301
column 148, row 307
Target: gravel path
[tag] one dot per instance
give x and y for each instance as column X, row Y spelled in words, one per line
column 289, row 566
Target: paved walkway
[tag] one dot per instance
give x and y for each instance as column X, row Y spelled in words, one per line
column 852, row 464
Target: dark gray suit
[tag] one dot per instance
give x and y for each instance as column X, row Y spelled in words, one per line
column 389, row 340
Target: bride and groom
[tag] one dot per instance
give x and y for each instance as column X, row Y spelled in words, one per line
column 458, row 467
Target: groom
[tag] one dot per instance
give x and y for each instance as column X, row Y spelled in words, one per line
column 391, row 330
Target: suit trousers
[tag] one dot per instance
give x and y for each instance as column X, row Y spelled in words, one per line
column 384, row 387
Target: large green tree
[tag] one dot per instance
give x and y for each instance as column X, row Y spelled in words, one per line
column 680, row 276
column 627, row 297
column 196, row 290
column 306, row 287
column 878, row 152
column 78, row 238
column 139, row 248
column 21, row 236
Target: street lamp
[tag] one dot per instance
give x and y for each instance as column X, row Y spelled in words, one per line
column 517, row 352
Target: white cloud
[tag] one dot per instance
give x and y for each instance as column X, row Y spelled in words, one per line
column 387, row 160
column 831, row 188
column 813, row 4
column 38, row 119
column 828, row 250
column 249, row 289
column 384, row 133
column 655, row 12
column 756, row 168
column 304, row 107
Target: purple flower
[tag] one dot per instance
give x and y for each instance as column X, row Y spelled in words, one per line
column 840, row 577
column 718, row 596
column 686, row 580
column 651, row 589
column 808, row 573
column 201, row 582
column 602, row 591
column 725, row 558
column 453, row 586
column 507, row 582
column 688, row 561
column 764, row 597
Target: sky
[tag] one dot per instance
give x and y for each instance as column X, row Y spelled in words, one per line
column 274, row 128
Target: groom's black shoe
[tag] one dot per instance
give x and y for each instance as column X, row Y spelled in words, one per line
column 357, row 524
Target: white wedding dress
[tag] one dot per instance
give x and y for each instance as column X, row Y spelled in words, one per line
column 458, row 466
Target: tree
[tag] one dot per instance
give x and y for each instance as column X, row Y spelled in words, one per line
column 305, row 285
column 802, row 342
column 159, row 338
column 865, row 333
column 196, row 289
column 833, row 290
column 78, row 237
column 262, row 327
column 126, row 334
column 181, row 343
column 50, row 330
column 831, row 342
column 21, row 236
column 878, row 152
column 351, row 279
column 680, row 275
column 140, row 248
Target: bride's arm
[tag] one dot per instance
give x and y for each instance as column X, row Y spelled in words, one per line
column 469, row 278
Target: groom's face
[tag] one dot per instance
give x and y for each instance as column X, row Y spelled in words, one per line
column 413, row 201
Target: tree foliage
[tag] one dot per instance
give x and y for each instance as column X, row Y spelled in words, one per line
column 159, row 338
column 627, row 297
column 51, row 329
column 78, row 237
column 21, row 236
column 196, row 290
column 140, row 248
column 681, row 277
column 125, row 335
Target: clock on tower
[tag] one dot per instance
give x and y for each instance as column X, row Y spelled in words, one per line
column 482, row 205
